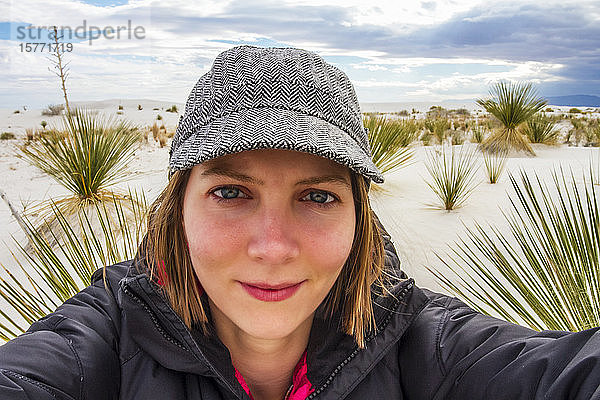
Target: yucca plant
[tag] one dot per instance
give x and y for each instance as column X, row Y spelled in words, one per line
column 544, row 273
column 494, row 165
column 390, row 141
column 577, row 131
column 458, row 137
column 591, row 139
column 477, row 134
column 87, row 156
column 57, row 265
column 512, row 104
column 540, row 129
column 591, row 132
column 438, row 127
column 426, row 138
column 595, row 127
column 453, row 175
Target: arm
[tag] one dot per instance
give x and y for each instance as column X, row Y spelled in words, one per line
column 69, row 354
column 482, row 357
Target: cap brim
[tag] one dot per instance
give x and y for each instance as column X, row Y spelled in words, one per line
column 275, row 128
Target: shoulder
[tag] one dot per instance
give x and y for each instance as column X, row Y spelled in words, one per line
column 448, row 329
column 457, row 352
column 72, row 352
column 93, row 313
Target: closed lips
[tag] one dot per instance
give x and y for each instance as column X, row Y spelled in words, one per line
column 271, row 292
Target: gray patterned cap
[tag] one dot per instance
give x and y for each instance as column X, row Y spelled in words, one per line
column 276, row 98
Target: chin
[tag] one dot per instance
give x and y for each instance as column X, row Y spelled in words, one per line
column 270, row 327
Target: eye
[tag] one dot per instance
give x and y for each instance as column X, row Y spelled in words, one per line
column 320, row 197
column 225, row 193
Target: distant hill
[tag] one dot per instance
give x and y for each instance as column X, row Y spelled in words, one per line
column 581, row 100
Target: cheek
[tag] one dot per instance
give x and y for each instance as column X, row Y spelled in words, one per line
column 212, row 240
column 330, row 245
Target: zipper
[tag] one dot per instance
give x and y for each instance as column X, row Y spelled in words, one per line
column 160, row 329
column 368, row 339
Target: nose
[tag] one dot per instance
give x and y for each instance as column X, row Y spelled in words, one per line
column 273, row 240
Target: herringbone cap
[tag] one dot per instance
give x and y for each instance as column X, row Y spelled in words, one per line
column 277, row 98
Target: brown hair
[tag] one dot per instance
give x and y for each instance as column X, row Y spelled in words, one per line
column 167, row 257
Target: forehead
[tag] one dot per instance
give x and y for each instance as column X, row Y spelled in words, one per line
column 274, row 161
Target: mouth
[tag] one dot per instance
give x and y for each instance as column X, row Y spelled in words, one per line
column 271, row 292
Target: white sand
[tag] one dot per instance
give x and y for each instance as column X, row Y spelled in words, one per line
column 418, row 229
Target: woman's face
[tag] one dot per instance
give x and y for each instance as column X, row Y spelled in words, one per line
column 268, row 233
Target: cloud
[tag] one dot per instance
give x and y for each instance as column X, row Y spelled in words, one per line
column 432, row 48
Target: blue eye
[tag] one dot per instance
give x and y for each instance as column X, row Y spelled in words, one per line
column 228, row 193
column 321, row 198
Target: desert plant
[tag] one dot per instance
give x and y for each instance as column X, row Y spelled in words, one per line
column 120, row 107
column 140, row 108
column 545, row 272
column 591, row 139
column 390, row 141
column 7, row 135
column 426, row 138
column 17, row 112
column 155, row 132
column 494, row 165
column 490, row 123
column 56, row 269
column 162, row 139
column 460, row 111
column 44, row 124
column 53, row 109
column 458, row 137
column 467, row 124
column 477, row 134
column 452, row 175
column 87, row 156
column 62, row 67
column 540, row 129
column 594, row 127
column 574, row 111
column 159, row 117
column 436, row 112
column 30, row 134
column 512, row 104
column 172, row 109
column 438, row 127
column 577, row 131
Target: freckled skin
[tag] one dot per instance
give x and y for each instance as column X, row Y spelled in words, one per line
column 272, row 232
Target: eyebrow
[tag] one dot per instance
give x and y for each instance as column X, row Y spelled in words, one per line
column 325, row 179
column 233, row 174
column 230, row 173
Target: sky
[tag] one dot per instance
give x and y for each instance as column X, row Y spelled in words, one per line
column 393, row 51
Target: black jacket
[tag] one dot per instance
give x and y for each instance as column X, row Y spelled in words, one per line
column 129, row 344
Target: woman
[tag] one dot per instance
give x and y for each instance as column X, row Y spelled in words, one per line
column 266, row 275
